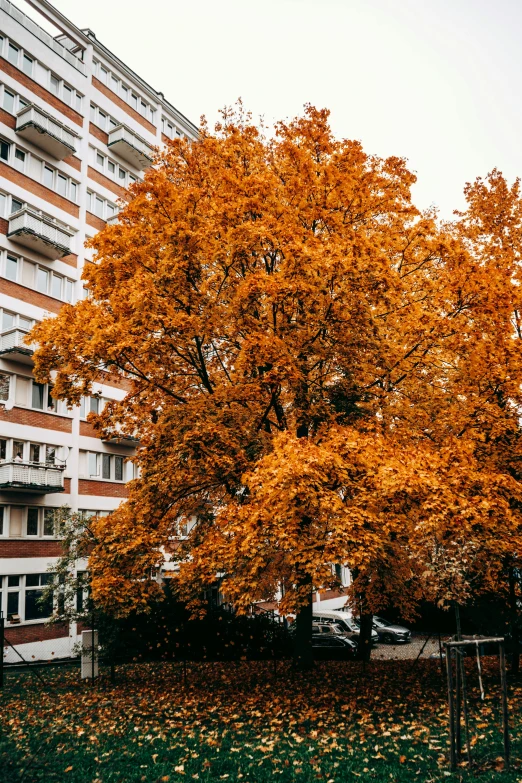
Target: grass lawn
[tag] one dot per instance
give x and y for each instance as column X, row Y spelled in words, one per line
column 239, row 722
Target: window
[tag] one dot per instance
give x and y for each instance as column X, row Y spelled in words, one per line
column 34, row 584
column 12, row 53
column 34, row 452
column 27, row 65
column 42, row 280
column 56, row 286
column 4, row 387
column 74, row 191
column 48, row 177
column 32, row 521
column 78, row 102
column 106, row 466
column 55, row 85
column 9, row 101
column 98, row 206
column 114, row 83
column 11, row 268
column 93, row 464
column 8, row 320
column 67, row 94
column 118, row 468
column 100, row 159
column 13, row 596
column 62, row 185
column 18, row 449
column 4, row 150
column 111, row 166
column 103, row 74
column 19, row 159
column 122, row 174
column 15, row 205
column 48, row 524
column 102, row 119
column 3, row 449
column 68, row 295
column 1, row 534
column 94, row 406
column 37, row 399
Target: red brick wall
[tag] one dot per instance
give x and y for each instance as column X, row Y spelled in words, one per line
column 4, row 226
column 326, row 595
column 122, row 104
column 87, row 430
column 28, row 295
column 21, row 634
column 36, row 419
column 106, row 182
column 165, row 139
column 71, row 259
column 38, row 189
column 8, row 119
column 94, row 221
column 22, row 547
column 98, row 133
column 106, row 489
column 73, row 161
column 116, row 382
column 67, row 485
column 47, row 96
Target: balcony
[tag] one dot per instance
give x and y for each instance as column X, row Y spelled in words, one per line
column 39, row 233
column 12, row 346
column 131, row 147
column 45, row 132
column 38, row 478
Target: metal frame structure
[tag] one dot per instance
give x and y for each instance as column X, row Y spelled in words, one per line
column 457, row 695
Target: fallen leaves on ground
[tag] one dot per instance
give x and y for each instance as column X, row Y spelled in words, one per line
column 238, row 721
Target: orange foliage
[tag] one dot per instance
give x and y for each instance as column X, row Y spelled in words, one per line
column 321, row 374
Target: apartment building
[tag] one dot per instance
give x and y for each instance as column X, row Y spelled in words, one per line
column 77, row 126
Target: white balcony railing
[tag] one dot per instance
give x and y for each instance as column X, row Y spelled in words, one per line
column 31, row 476
column 43, row 35
column 131, row 147
column 39, row 232
column 45, row 131
column 12, row 341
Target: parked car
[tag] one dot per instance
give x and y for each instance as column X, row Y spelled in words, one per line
column 389, row 633
column 331, row 628
column 331, row 646
column 347, row 623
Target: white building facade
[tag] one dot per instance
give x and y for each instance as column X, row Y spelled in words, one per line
column 77, row 126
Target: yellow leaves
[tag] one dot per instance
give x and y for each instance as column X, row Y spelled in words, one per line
column 259, row 288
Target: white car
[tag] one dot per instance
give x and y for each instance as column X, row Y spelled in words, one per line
column 349, row 626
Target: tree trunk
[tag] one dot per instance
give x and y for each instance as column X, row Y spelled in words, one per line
column 303, row 653
column 515, row 636
column 364, row 650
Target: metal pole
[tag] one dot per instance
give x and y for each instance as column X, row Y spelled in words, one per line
column 453, row 760
column 505, row 724
column 1, row 649
column 460, row 659
column 458, row 738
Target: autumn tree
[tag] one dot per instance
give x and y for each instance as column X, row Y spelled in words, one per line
column 297, row 338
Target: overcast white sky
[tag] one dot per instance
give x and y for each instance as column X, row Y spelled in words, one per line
column 435, row 81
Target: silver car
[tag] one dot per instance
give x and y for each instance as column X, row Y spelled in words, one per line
column 389, row 633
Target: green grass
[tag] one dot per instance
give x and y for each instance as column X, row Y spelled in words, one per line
column 239, row 722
